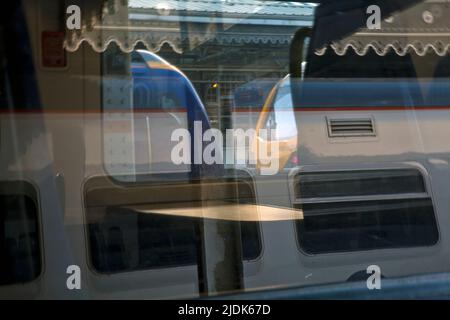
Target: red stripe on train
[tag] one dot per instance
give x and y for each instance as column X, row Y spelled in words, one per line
column 350, row 108
column 240, row 110
column 65, row 111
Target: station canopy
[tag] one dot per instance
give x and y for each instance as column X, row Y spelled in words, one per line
column 406, row 26
column 420, row 26
column 187, row 24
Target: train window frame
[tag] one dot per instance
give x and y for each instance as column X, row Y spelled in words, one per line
column 361, row 255
column 98, row 180
column 29, row 190
column 129, row 173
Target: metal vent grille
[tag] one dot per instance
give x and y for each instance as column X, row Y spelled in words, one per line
column 350, row 127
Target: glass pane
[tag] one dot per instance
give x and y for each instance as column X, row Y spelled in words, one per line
column 190, row 148
column 356, row 226
column 19, row 240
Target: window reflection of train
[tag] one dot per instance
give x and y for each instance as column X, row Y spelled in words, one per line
column 124, row 250
column 249, row 100
column 85, row 180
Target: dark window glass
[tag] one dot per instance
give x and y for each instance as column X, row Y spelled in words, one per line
column 355, row 226
column 358, row 183
column 125, row 240
column 19, row 240
column 399, row 214
column 352, row 65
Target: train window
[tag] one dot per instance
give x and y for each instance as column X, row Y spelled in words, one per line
column 358, row 183
column 366, row 225
column 331, row 65
column 20, row 256
column 139, row 229
column 142, row 93
column 363, row 210
column 141, row 96
column 169, row 101
column 281, row 119
column 361, row 94
column 127, row 240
